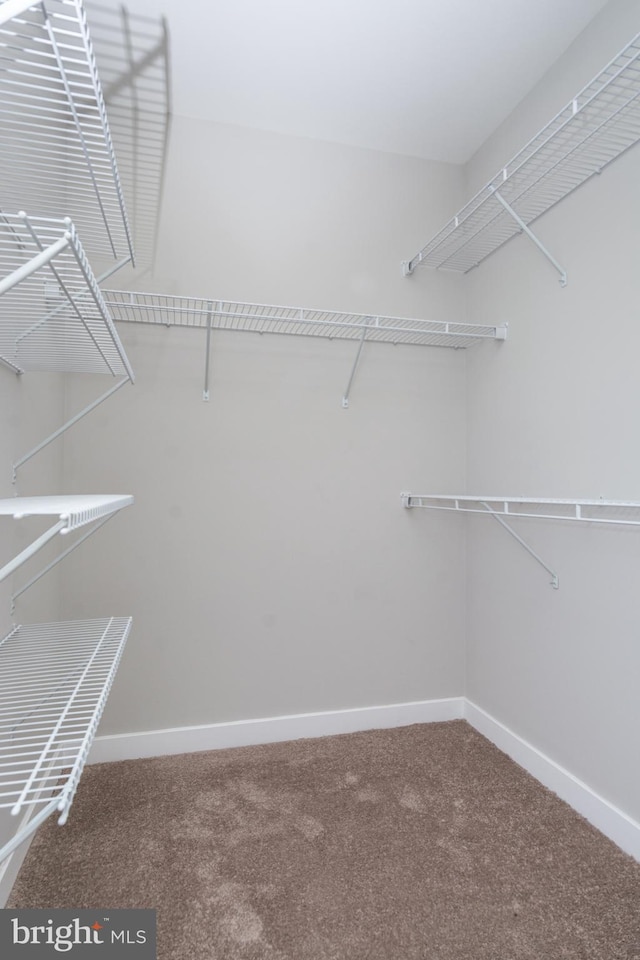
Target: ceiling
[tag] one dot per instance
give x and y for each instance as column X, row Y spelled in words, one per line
column 428, row 78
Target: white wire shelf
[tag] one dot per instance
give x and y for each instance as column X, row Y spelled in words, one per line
column 71, row 511
column 625, row 512
column 503, row 509
column 599, row 124
column 55, row 140
column 52, row 314
column 54, row 682
column 260, row 318
column 132, row 53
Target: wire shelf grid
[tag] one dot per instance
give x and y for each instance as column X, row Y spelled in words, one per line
column 260, row 318
column 55, row 139
column 54, row 682
column 53, row 316
column 600, row 123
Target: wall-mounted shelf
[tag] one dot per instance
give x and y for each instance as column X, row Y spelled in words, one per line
column 54, row 133
column 624, row 512
column 54, row 682
column 214, row 314
column 72, row 512
column 600, row 123
column 53, row 316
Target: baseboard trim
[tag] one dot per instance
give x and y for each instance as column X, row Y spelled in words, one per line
column 608, row 819
column 612, row 822
column 243, row 733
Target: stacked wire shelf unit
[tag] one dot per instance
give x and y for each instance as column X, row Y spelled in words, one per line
column 54, row 677
column 596, row 127
column 55, row 141
column 57, row 155
column 54, row 682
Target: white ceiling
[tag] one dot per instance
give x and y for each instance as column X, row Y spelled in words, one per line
column 429, row 78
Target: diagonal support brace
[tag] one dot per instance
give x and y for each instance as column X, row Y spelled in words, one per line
column 525, row 229
column 345, row 398
column 554, row 576
column 65, row 426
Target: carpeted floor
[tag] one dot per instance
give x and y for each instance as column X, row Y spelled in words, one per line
column 419, row 843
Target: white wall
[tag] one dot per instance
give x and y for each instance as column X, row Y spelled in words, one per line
column 556, row 415
column 267, row 561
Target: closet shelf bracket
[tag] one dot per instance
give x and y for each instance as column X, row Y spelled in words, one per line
column 65, row 426
column 345, row 397
column 72, row 512
column 529, row 232
column 523, row 543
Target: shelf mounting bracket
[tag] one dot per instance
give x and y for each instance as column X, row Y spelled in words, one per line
column 65, row 426
column 554, row 576
column 525, row 229
column 207, row 357
column 345, row 398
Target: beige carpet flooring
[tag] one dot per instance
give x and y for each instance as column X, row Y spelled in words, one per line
column 419, row 843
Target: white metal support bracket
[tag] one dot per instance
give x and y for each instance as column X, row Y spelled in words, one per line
column 525, row 229
column 345, row 398
column 207, row 358
column 554, row 576
column 61, row 556
column 65, row 426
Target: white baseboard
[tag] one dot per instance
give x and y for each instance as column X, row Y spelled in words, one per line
column 243, row 733
column 607, row 818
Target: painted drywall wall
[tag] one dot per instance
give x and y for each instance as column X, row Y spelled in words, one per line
column 556, row 415
column 267, row 561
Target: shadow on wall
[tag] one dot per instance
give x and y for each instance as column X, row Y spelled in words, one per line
column 132, row 54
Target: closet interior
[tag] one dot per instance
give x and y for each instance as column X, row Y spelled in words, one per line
column 84, row 145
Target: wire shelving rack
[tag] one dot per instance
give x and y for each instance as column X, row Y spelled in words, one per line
column 54, row 682
column 210, row 314
column 165, row 310
column 53, row 317
column 55, row 139
column 504, row 509
column 596, row 127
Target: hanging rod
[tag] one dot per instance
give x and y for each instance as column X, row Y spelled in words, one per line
column 596, row 127
column 55, row 139
column 55, row 679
